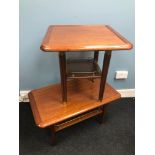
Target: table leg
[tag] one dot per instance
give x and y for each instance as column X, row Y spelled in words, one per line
column 53, row 135
column 96, row 53
column 105, row 68
column 100, row 116
column 62, row 62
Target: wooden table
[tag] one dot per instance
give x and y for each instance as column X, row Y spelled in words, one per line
column 83, row 92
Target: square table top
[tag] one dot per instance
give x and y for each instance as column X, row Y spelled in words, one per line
column 61, row 38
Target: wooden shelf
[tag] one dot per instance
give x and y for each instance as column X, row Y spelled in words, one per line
column 76, row 119
column 48, row 108
column 82, row 68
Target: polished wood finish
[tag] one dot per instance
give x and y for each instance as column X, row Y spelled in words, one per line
column 62, row 63
column 48, row 109
column 85, row 99
column 83, row 38
column 64, row 38
column 106, row 62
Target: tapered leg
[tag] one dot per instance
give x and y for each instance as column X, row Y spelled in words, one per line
column 105, row 68
column 100, row 116
column 62, row 62
column 96, row 53
column 53, row 135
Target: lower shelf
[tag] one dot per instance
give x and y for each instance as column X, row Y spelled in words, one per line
column 77, row 119
column 48, row 108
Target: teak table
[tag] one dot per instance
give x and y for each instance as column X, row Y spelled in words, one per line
column 83, row 92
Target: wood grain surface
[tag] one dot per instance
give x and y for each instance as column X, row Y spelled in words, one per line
column 83, row 38
column 48, row 108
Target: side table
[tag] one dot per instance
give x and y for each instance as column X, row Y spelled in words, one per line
column 83, row 91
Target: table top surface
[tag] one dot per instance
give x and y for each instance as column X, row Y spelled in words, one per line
column 61, row 38
column 48, row 108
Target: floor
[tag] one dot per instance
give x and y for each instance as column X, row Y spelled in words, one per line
column 116, row 136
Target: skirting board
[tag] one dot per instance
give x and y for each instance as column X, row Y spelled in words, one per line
column 23, row 97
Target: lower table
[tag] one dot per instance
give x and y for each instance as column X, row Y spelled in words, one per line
column 49, row 110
